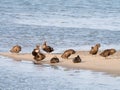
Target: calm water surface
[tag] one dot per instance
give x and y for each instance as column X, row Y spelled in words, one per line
column 17, row 75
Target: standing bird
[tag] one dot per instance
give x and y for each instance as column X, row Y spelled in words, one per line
column 77, row 59
column 108, row 52
column 68, row 53
column 94, row 49
column 16, row 49
column 47, row 48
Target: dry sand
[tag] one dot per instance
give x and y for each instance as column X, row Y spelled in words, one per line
column 110, row 64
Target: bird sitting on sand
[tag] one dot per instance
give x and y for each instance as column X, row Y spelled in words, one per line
column 47, row 48
column 38, row 56
column 108, row 52
column 77, row 59
column 68, row 53
column 54, row 60
column 94, row 49
column 36, row 50
column 16, row 49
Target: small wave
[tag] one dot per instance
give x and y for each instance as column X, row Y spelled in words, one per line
column 92, row 23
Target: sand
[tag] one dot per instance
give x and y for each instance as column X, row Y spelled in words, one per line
column 98, row 63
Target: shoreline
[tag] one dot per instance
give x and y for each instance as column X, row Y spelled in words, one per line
column 110, row 65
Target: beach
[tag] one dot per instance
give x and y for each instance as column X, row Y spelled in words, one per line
column 110, row 65
column 63, row 24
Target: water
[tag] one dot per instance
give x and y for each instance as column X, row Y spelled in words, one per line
column 64, row 24
column 24, row 75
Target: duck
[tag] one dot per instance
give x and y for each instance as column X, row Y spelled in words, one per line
column 36, row 50
column 54, row 60
column 107, row 52
column 16, row 49
column 94, row 49
column 38, row 56
column 47, row 48
column 77, row 59
column 68, row 53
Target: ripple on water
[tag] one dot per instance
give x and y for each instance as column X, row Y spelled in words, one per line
column 27, row 76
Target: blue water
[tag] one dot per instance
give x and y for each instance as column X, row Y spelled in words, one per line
column 16, row 75
column 64, row 24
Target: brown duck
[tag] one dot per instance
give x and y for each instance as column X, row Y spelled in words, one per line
column 94, row 50
column 16, row 49
column 54, row 60
column 77, row 59
column 38, row 56
column 36, row 50
column 47, row 48
column 68, row 53
column 108, row 52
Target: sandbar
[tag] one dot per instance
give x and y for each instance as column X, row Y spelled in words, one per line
column 97, row 63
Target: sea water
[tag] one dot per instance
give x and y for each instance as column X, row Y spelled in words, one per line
column 17, row 75
column 64, row 24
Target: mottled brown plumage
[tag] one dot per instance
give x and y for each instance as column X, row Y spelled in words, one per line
column 38, row 56
column 77, row 59
column 108, row 52
column 94, row 49
column 54, row 60
column 47, row 48
column 36, row 50
column 68, row 53
column 16, row 49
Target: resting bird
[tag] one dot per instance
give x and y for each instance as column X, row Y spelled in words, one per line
column 16, row 49
column 108, row 52
column 36, row 50
column 68, row 53
column 77, row 59
column 54, row 60
column 47, row 48
column 38, row 56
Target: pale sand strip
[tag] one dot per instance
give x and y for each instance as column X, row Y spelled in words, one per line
column 89, row 62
